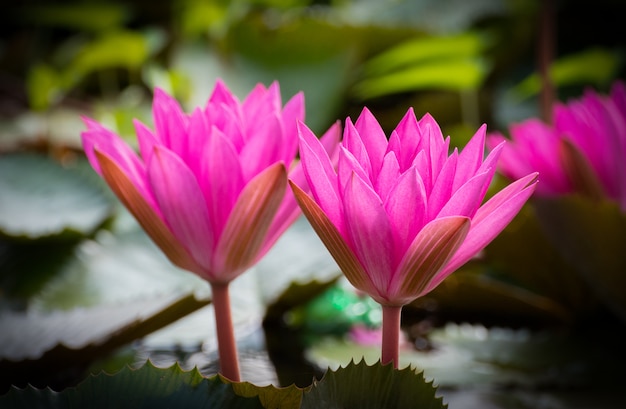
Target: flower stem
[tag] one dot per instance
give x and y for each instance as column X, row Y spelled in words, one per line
column 229, row 363
column 391, row 334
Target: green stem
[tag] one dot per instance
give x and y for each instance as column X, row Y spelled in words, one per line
column 391, row 334
column 229, row 363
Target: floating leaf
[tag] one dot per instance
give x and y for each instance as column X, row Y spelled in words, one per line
column 40, row 199
column 376, row 386
column 146, row 387
column 36, row 347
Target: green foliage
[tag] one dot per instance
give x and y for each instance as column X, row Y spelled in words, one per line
column 376, row 386
column 449, row 63
column 590, row 235
column 357, row 385
column 146, row 387
column 41, row 199
column 591, row 67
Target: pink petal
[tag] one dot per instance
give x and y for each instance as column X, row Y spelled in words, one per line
column 407, row 140
column 292, row 113
column 442, row 188
column 147, row 215
column 335, row 243
column 353, row 142
column 467, row 200
column 471, row 157
column 246, row 230
column 426, row 256
column 388, row 176
column 374, row 139
column 170, row 122
column 96, row 137
column 263, row 147
column 147, row 140
column 369, row 231
column 320, row 175
column 219, row 160
column 489, row 221
column 183, row 206
column 406, row 209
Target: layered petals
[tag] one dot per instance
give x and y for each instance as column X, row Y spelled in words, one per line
column 210, row 187
column 400, row 215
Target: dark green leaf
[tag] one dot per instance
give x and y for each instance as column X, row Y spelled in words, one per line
column 376, row 386
column 147, row 387
column 590, row 235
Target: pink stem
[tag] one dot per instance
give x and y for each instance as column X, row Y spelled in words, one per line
column 391, row 334
column 229, row 363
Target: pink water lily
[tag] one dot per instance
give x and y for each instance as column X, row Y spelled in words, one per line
column 210, row 187
column 399, row 215
column 582, row 152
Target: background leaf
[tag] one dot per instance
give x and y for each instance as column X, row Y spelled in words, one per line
column 41, row 199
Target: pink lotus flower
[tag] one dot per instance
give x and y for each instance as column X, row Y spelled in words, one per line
column 582, row 152
column 400, row 215
column 210, row 187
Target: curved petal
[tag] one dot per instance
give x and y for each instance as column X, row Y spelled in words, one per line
column 406, row 209
column 374, row 139
column 471, row 157
column 489, row 221
column 246, row 229
column 221, row 179
column 467, row 200
column 427, row 255
column 170, row 122
column 320, row 175
column 98, row 138
column 148, row 217
column 334, row 242
column 182, row 204
column 369, row 231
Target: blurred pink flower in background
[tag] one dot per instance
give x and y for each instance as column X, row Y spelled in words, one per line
column 582, row 152
column 210, row 187
column 401, row 214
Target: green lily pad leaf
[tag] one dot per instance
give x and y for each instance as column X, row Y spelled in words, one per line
column 36, row 346
column 376, row 386
column 590, row 235
column 146, row 387
column 40, row 199
column 270, row 396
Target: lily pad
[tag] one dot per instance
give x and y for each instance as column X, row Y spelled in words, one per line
column 36, row 347
column 376, row 386
column 146, row 387
column 41, row 199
